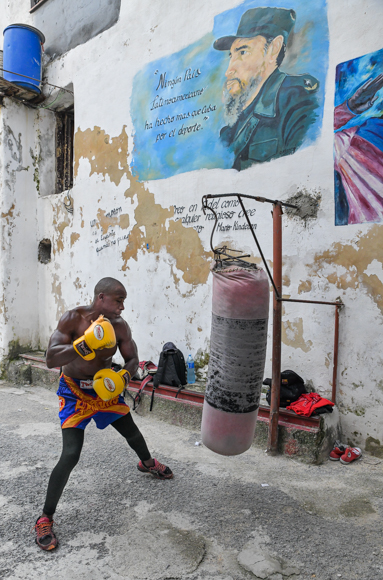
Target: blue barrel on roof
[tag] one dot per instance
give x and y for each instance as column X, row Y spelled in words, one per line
column 22, row 51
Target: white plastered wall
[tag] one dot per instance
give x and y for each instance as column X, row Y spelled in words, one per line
column 161, row 304
column 19, row 317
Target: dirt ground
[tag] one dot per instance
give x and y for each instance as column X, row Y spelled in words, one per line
column 228, row 518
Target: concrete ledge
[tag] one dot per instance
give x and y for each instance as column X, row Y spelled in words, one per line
column 309, row 439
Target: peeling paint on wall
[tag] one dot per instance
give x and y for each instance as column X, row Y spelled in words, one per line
column 105, row 221
column 305, row 287
column 74, row 237
column 77, row 283
column 61, row 220
column 286, row 280
column 182, row 243
column 107, row 156
column 57, row 294
column 8, row 214
column 155, row 227
column 350, row 264
column 292, row 335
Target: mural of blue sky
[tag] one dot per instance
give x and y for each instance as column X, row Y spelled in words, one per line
column 177, row 106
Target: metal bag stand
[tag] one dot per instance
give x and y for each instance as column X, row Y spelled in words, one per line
column 276, row 281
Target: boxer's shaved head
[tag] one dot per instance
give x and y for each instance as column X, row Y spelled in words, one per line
column 108, row 286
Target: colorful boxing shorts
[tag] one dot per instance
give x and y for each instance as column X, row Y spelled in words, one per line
column 79, row 403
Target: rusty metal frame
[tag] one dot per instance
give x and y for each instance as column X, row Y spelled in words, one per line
column 195, row 399
column 276, row 281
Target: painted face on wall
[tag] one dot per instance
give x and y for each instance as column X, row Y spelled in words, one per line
column 246, row 71
column 247, row 62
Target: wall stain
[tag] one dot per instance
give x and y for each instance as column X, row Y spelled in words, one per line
column 13, row 145
column 155, row 227
column 36, row 160
column 292, row 335
column 9, row 219
column 374, row 447
column 354, row 259
column 107, row 156
column 307, row 203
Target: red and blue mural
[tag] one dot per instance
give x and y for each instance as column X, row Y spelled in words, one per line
column 358, row 144
column 250, row 91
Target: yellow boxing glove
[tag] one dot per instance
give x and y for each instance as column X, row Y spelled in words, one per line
column 100, row 334
column 108, row 384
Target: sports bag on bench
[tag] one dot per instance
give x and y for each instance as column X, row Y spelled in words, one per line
column 171, row 369
column 292, row 387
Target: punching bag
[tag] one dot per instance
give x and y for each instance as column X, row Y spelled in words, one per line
column 237, row 358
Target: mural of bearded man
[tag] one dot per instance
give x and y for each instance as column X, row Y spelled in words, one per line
column 268, row 112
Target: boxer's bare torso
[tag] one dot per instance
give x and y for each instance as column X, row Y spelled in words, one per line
column 72, row 325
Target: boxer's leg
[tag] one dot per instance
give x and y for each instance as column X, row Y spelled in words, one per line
column 72, row 444
column 73, row 440
column 128, row 429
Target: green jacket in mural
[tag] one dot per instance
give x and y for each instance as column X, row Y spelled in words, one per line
column 276, row 122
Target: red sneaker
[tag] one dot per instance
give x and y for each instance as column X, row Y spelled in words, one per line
column 159, row 471
column 337, row 452
column 351, row 454
column 45, row 538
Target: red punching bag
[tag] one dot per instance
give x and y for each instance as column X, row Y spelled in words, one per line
column 237, row 358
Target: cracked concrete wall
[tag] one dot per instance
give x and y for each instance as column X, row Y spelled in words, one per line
column 144, row 233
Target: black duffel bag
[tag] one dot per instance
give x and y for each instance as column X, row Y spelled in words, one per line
column 292, row 387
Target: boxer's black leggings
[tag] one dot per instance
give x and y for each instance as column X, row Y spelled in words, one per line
column 73, row 440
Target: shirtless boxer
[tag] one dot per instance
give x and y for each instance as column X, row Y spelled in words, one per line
column 83, row 344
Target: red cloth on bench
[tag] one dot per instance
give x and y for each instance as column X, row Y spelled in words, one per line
column 307, row 403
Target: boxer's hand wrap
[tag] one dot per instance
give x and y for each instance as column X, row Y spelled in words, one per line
column 108, row 384
column 99, row 335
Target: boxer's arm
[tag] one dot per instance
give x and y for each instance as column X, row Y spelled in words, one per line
column 128, row 349
column 60, row 350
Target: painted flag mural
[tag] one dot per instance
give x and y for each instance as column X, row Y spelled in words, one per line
column 358, row 140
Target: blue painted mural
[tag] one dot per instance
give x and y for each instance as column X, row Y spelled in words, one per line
column 250, row 91
column 358, row 142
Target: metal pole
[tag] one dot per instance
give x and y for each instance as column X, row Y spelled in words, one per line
column 336, row 346
column 272, row 440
